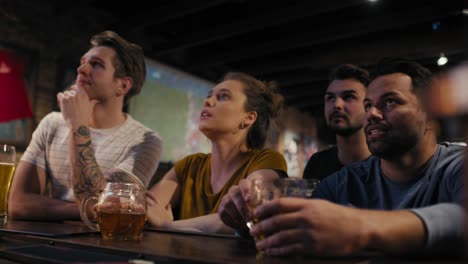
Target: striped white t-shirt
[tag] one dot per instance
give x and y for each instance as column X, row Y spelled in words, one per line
column 130, row 147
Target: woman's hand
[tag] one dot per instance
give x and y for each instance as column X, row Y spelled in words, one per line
column 158, row 215
column 233, row 209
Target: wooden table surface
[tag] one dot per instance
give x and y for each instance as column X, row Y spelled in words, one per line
column 37, row 242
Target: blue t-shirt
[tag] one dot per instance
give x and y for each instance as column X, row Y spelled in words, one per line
column 436, row 195
column 362, row 184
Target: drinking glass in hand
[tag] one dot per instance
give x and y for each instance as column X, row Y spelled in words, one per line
column 7, row 168
column 262, row 190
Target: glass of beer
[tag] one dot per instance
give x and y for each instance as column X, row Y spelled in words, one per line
column 120, row 211
column 7, row 168
column 262, row 190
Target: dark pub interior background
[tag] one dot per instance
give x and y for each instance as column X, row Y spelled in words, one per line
column 294, row 43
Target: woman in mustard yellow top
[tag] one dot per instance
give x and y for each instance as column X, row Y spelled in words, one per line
column 236, row 117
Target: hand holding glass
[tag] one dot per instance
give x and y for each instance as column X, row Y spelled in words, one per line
column 7, row 168
column 262, row 190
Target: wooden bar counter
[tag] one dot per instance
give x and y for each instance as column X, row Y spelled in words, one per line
column 72, row 242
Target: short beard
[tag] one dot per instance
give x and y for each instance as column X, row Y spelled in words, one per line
column 346, row 131
column 393, row 148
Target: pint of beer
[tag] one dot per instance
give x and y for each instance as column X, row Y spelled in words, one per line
column 121, row 211
column 7, row 168
column 121, row 225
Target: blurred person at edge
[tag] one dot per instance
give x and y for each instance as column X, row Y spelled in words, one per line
column 448, row 98
column 91, row 141
column 344, row 115
column 405, row 199
column 236, row 117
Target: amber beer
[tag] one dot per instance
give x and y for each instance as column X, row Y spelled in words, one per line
column 121, row 211
column 117, row 225
column 261, row 190
column 6, row 174
column 254, row 221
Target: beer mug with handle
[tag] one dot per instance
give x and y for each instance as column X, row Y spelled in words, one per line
column 120, row 209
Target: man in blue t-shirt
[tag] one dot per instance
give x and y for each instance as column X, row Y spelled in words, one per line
column 405, row 198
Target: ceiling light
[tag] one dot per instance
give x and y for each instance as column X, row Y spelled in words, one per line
column 442, row 60
column 465, row 12
column 372, row 0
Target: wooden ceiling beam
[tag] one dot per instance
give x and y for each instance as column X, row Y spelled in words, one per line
column 378, row 23
column 258, row 22
column 414, row 46
column 163, row 14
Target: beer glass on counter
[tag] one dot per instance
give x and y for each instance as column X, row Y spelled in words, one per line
column 7, row 168
column 121, row 211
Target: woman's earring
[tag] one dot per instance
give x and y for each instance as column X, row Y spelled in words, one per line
column 243, row 125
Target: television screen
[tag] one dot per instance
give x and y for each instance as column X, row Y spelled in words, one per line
column 170, row 103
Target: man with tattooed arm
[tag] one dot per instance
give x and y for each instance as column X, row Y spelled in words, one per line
column 92, row 141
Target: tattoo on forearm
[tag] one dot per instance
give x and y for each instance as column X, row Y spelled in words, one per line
column 87, row 176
